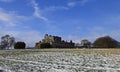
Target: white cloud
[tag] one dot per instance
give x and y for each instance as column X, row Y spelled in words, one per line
column 71, row 4
column 10, row 19
column 37, row 11
column 74, row 3
column 6, row 0
column 54, row 8
column 66, row 7
column 11, row 25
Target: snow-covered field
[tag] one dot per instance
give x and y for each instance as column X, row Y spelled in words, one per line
column 60, row 60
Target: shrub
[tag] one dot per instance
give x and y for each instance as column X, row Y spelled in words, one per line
column 19, row 45
column 45, row 45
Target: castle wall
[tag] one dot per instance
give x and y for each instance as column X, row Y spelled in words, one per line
column 62, row 45
column 57, row 42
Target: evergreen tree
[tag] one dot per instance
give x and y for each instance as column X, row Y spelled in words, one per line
column 105, row 42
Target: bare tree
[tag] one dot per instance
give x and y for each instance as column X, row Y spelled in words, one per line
column 7, row 42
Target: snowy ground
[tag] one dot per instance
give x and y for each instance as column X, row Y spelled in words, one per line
column 58, row 61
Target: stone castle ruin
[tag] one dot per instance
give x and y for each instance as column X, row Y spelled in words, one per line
column 57, row 42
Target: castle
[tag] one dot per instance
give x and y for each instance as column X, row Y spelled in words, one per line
column 57, row 42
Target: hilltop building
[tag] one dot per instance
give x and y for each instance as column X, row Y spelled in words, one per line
column 85, row 43
column 57, row 42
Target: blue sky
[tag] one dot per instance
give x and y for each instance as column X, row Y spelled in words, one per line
column 29, row 20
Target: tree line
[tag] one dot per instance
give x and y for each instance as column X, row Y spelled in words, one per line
column 8, row 42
